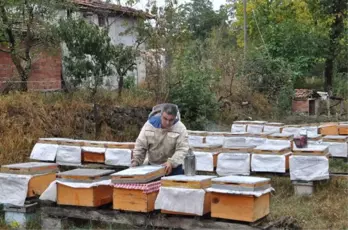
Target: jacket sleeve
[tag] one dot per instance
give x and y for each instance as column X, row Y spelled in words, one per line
column 181, row 149
column 140, row 148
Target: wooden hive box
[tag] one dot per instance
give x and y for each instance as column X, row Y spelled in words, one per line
column 136, row 197
column 328, row 129
column 238, row 134
column 343, row 129
column 197, row 133
column 239, row 126
column 316, row 137
column 311, row 150
column 233, row 198
column 93, row 154
column 280, row 150
column 51, row 140
column 255, row 126
column 274, row 127
column 42, row 175
column 238, row 148
column 72, row 142
column 189, row 182
column 282, row 136
column 335, row 138
column 338, row 145
column 120, row 145
column 141, row 174
column 215, row 150
column 89, row 196
column 271, row 149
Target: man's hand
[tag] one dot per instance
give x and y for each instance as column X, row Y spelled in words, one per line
column 169, row 168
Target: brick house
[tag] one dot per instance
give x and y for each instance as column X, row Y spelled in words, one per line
column 306, row 101
column 48, row 70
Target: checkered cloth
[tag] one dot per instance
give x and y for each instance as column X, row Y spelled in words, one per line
column 146, row 188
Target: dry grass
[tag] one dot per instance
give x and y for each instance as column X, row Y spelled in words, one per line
column 25, row 117
column 326, row 209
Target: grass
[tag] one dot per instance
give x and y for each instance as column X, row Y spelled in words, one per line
column 326, row 209
column 25, row 117
column 338, row 165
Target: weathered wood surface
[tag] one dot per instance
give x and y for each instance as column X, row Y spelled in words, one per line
column 139, row 219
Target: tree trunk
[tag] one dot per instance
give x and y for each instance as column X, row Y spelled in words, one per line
column 329, row 66
column 120, row 86
column 97, row 121
column 337, row 29
column 21, row 72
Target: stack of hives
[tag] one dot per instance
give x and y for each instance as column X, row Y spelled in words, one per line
column 77, row 152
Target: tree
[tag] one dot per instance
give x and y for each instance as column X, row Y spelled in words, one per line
column 201, row 18
column 335, row 12
column 25, row 26
column 89, row 58
column 89, row 53
column 123, row 59
column 92, row 57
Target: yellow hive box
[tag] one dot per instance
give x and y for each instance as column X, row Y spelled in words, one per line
column 42, row 175
column 232, row 198
column 93, row 196
column 135, row 197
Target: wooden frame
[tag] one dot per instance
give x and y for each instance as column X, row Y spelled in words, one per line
column 239, row 207
column 187, row 184
column 206, row 207
column 138, row 178
column 329, row 129
column 14, row 169
column 133, row 200
column 39, row 183
column 86, row 197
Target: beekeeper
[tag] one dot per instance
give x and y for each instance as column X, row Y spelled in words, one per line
column 163, row 140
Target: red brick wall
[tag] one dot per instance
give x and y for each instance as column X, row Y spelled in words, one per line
column 300, row 106
column 45, row 71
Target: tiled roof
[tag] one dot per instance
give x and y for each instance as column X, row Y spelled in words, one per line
column 305, row 93
column 100, row 5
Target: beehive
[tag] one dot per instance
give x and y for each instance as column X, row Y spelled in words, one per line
column 329, row 129
column 343, row 129
column 270, row 158
column 316, row 137
column 235, row 153
column 311, row 150
column 71, row 192
column 240, row 198
column 281, row 138
column 255, row 126
column 239, row 126
column 214, row 150
column 135, row 197
column 141, row 174
column 42, row 175
column 178, row 189
column 338, row 145
column 274, row 127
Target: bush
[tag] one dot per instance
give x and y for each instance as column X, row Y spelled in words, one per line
column 190, row 88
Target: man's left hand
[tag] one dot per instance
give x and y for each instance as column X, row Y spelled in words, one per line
column 169, row 168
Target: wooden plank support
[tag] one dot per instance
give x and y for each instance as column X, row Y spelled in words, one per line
column 140, row 219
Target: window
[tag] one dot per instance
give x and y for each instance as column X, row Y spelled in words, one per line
column 101, row 20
